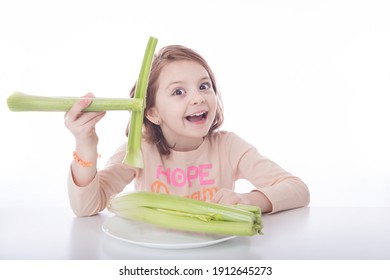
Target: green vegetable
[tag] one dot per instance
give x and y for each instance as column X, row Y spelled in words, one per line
column 134, row 154
column 18, row 102
column 187, row 214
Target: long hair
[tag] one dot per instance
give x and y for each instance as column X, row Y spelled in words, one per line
column 152, row 132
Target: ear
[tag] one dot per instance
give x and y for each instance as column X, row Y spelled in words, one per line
column 153, row 116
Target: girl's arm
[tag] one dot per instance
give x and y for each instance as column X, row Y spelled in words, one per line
column 89, row 190
column 111, row 180
column 275, row 188
column 227, row 196
column 82, row 126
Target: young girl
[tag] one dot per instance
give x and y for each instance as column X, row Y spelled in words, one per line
column 183, row 151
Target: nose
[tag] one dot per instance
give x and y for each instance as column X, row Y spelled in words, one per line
column 197, row 98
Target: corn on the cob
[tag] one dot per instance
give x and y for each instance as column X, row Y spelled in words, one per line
column 187, row 214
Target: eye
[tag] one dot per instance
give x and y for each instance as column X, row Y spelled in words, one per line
column 205, row 86
column 178, row 91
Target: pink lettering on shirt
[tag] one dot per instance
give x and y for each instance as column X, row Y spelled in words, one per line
column 192, row 174
column 203, row 174
column 180, row 178
column 165, row 173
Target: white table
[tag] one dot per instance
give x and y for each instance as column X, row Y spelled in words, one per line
column 304, row 233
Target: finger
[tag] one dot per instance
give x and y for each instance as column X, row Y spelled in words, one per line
column 228, row 197
column 97, row 118
column 89, row 95
column 220, row 195
column 77, row 108
column 88, row 120
column 84, row 122
column 216, row 197
column 229, row 200
column 85, row 127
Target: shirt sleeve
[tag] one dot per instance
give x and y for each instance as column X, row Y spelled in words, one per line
column 93, row 198
column 284, row 190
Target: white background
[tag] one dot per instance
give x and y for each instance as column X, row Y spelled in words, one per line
column 307, row 82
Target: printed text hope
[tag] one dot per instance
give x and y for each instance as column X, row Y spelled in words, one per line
column 180, row 178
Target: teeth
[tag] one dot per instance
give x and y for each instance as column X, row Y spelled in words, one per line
column 197, row 114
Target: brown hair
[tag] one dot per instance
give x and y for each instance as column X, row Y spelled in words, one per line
column 152, row 132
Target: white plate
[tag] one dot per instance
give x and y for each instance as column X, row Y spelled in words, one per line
column 156, row 237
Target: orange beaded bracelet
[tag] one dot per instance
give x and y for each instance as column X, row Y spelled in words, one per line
column 81, row 162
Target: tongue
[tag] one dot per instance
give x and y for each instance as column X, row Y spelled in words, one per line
column 195, row 118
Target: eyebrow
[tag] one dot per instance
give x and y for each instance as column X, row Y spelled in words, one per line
column 173, row 83
column 180, row 82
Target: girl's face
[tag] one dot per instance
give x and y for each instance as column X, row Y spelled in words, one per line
column 185, row 105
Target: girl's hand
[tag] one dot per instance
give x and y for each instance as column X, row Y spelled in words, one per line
column 82, row 124
column 256, row 198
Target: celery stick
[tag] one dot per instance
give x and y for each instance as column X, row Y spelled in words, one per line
column 133, row 154
column 186, row 214
column 182, row 204
column 20, row 102
column 167, row 220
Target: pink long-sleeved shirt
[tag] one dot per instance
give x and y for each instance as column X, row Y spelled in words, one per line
column 217, row 163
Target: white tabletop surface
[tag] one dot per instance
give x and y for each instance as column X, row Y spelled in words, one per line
column 304, row 233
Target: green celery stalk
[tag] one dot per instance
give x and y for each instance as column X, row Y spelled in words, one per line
column 191, row 224
column 19, row 102
column 133, row 155
column 181, row 204
column 187, row 214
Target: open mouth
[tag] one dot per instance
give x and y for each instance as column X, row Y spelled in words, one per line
column 197, row 117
